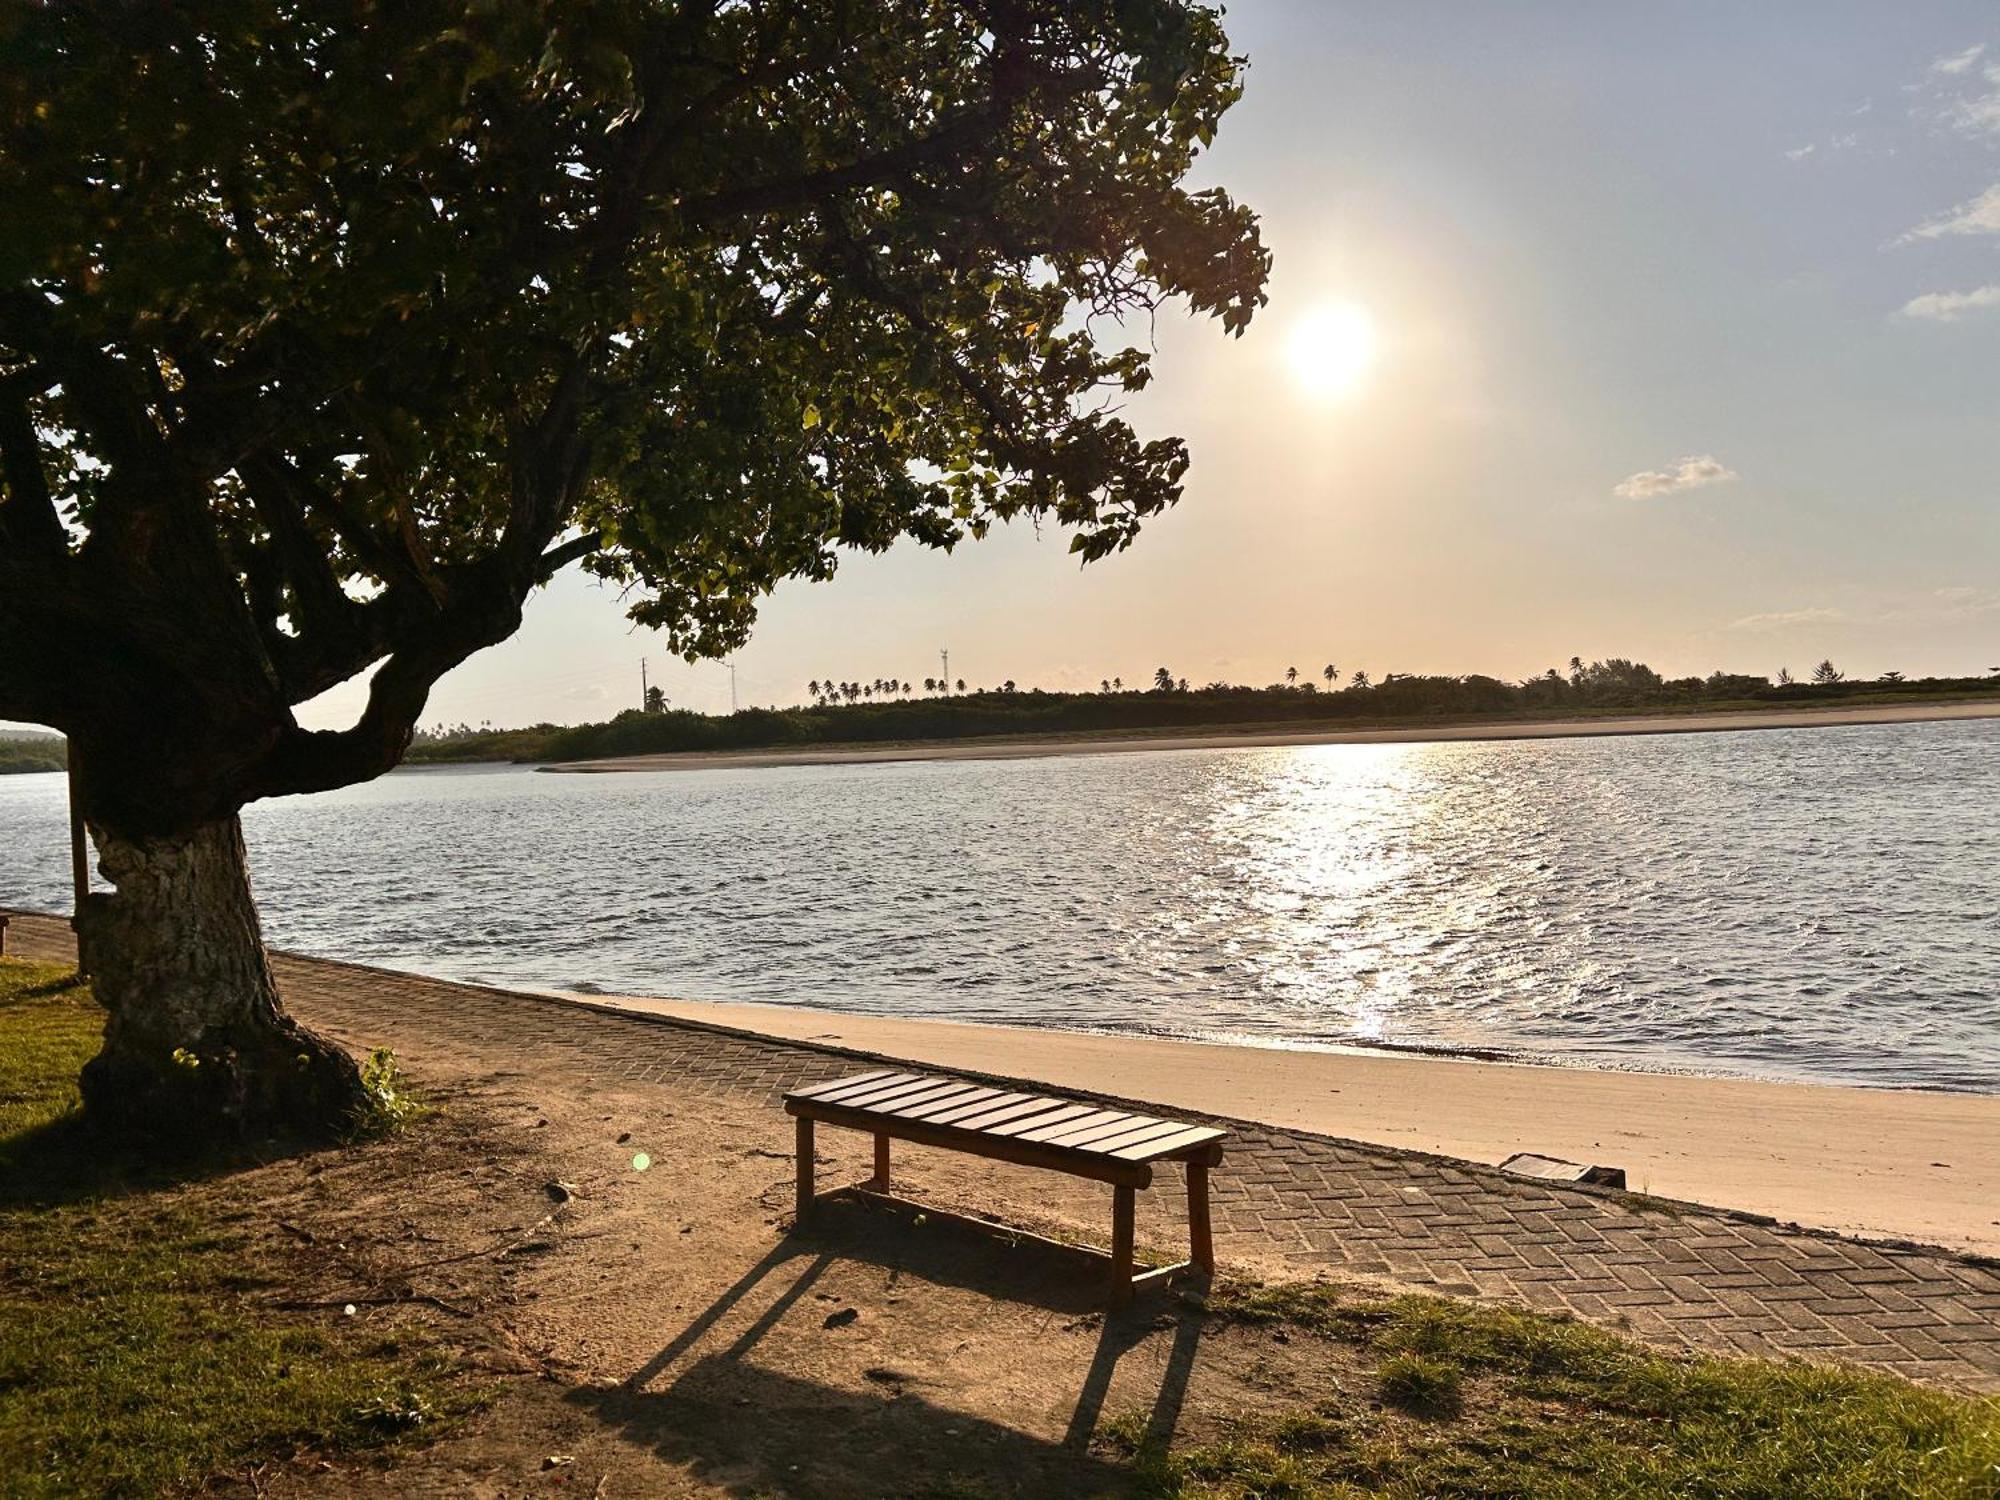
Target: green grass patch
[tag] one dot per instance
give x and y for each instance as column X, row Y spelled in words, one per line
column 1488, row 1402
column 136, row 1354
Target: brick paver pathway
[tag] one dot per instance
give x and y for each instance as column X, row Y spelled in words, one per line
column 1668, row 1273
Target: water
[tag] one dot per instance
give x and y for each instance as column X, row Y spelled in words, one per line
column 1819, row 904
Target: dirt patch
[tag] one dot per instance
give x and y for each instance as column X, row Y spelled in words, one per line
column 619, row 1267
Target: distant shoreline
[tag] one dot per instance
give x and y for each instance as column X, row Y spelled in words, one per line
column 1016, row 747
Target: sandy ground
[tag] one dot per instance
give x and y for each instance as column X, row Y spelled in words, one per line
column 1886, row 1163
column 665, row 1332
column 1021, row 747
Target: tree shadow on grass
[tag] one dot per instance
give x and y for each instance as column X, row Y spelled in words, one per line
column 752, row 1430
column 72, row 1160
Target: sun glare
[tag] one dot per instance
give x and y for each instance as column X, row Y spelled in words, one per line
column 1332, row 348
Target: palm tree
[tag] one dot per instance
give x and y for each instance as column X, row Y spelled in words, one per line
column 1291, row 677
column 1785, row 678
column 1182, row 685
column 1359, row 679
column 812, row 688
column 1104, row 686
column 1163, row 681
column 1576, row 671
column 961, row 684
column 1007, row 686
column 1826, row 673
column 1118, row 683
column 1331, row 673
column 930, row 684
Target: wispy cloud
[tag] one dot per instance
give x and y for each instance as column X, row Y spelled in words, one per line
column 1960, row 92
column 1979, row 215
column 1949, row 307
column 1800, row 153
column 1954, row 63
column 1689, row 473
column 1933, row 607
column 1791, row 618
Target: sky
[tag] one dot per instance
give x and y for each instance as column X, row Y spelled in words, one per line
column 1668, row 331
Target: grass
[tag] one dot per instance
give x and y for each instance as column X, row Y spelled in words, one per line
column 138, row 1351
column 1487, row 1402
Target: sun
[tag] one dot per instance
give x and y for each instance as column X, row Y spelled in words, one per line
column 1332, row 348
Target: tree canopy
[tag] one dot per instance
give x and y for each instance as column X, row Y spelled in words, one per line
column 330, row 331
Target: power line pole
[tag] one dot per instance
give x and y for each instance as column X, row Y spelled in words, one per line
column 645, row 697
column 944, row 655
column 732, row 685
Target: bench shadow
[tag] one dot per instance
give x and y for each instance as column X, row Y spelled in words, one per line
column 752, row 1430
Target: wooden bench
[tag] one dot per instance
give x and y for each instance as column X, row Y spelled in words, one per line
column 1033, row 1130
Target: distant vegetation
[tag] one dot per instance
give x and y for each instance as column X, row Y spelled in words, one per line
column 889, row 709
column 30, row 753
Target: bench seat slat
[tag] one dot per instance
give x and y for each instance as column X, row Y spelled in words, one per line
column 1028, row 1108
column 930, row 1109
column 1086, row 1140
column 856, row 1088
column 1041, row 1127
column 1090, row 1121
column 839, row 1085
column 985, row 1106
column 936, row 1090
column 1162, row 1147
column 1137, row 1135
column 881, row 1098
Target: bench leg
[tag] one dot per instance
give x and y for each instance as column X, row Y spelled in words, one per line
column 881, row 1160
column 1201, row 1240
column 1123, row 1203
column 805, row 1155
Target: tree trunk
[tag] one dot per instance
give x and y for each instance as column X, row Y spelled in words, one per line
column 197, row 1046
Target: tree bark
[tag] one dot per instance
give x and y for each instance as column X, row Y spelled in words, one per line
column 197, row 1046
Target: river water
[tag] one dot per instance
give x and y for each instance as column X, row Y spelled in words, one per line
column 1815, row 904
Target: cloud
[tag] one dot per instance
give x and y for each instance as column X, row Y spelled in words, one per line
column 1949, row 307
column 1800, row 153
column 1689, row 473
column 1788, row 619
column 1952, row 64
column 1979, row 215
column 1956, row 602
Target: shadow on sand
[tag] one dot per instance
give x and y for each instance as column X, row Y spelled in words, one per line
column 755, row 1431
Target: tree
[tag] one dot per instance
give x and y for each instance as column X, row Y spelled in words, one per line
column 1331, row 673
column 1163, row 680
column 1892, row 678
column 1118, row 684
column 1359, row 679
column 1104, row 686
column 812, row 688
column 1785, row 677
column 656, row 700
column 328, row 334
column 1826, row 673
column 961, row 684
column 1291, row 676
